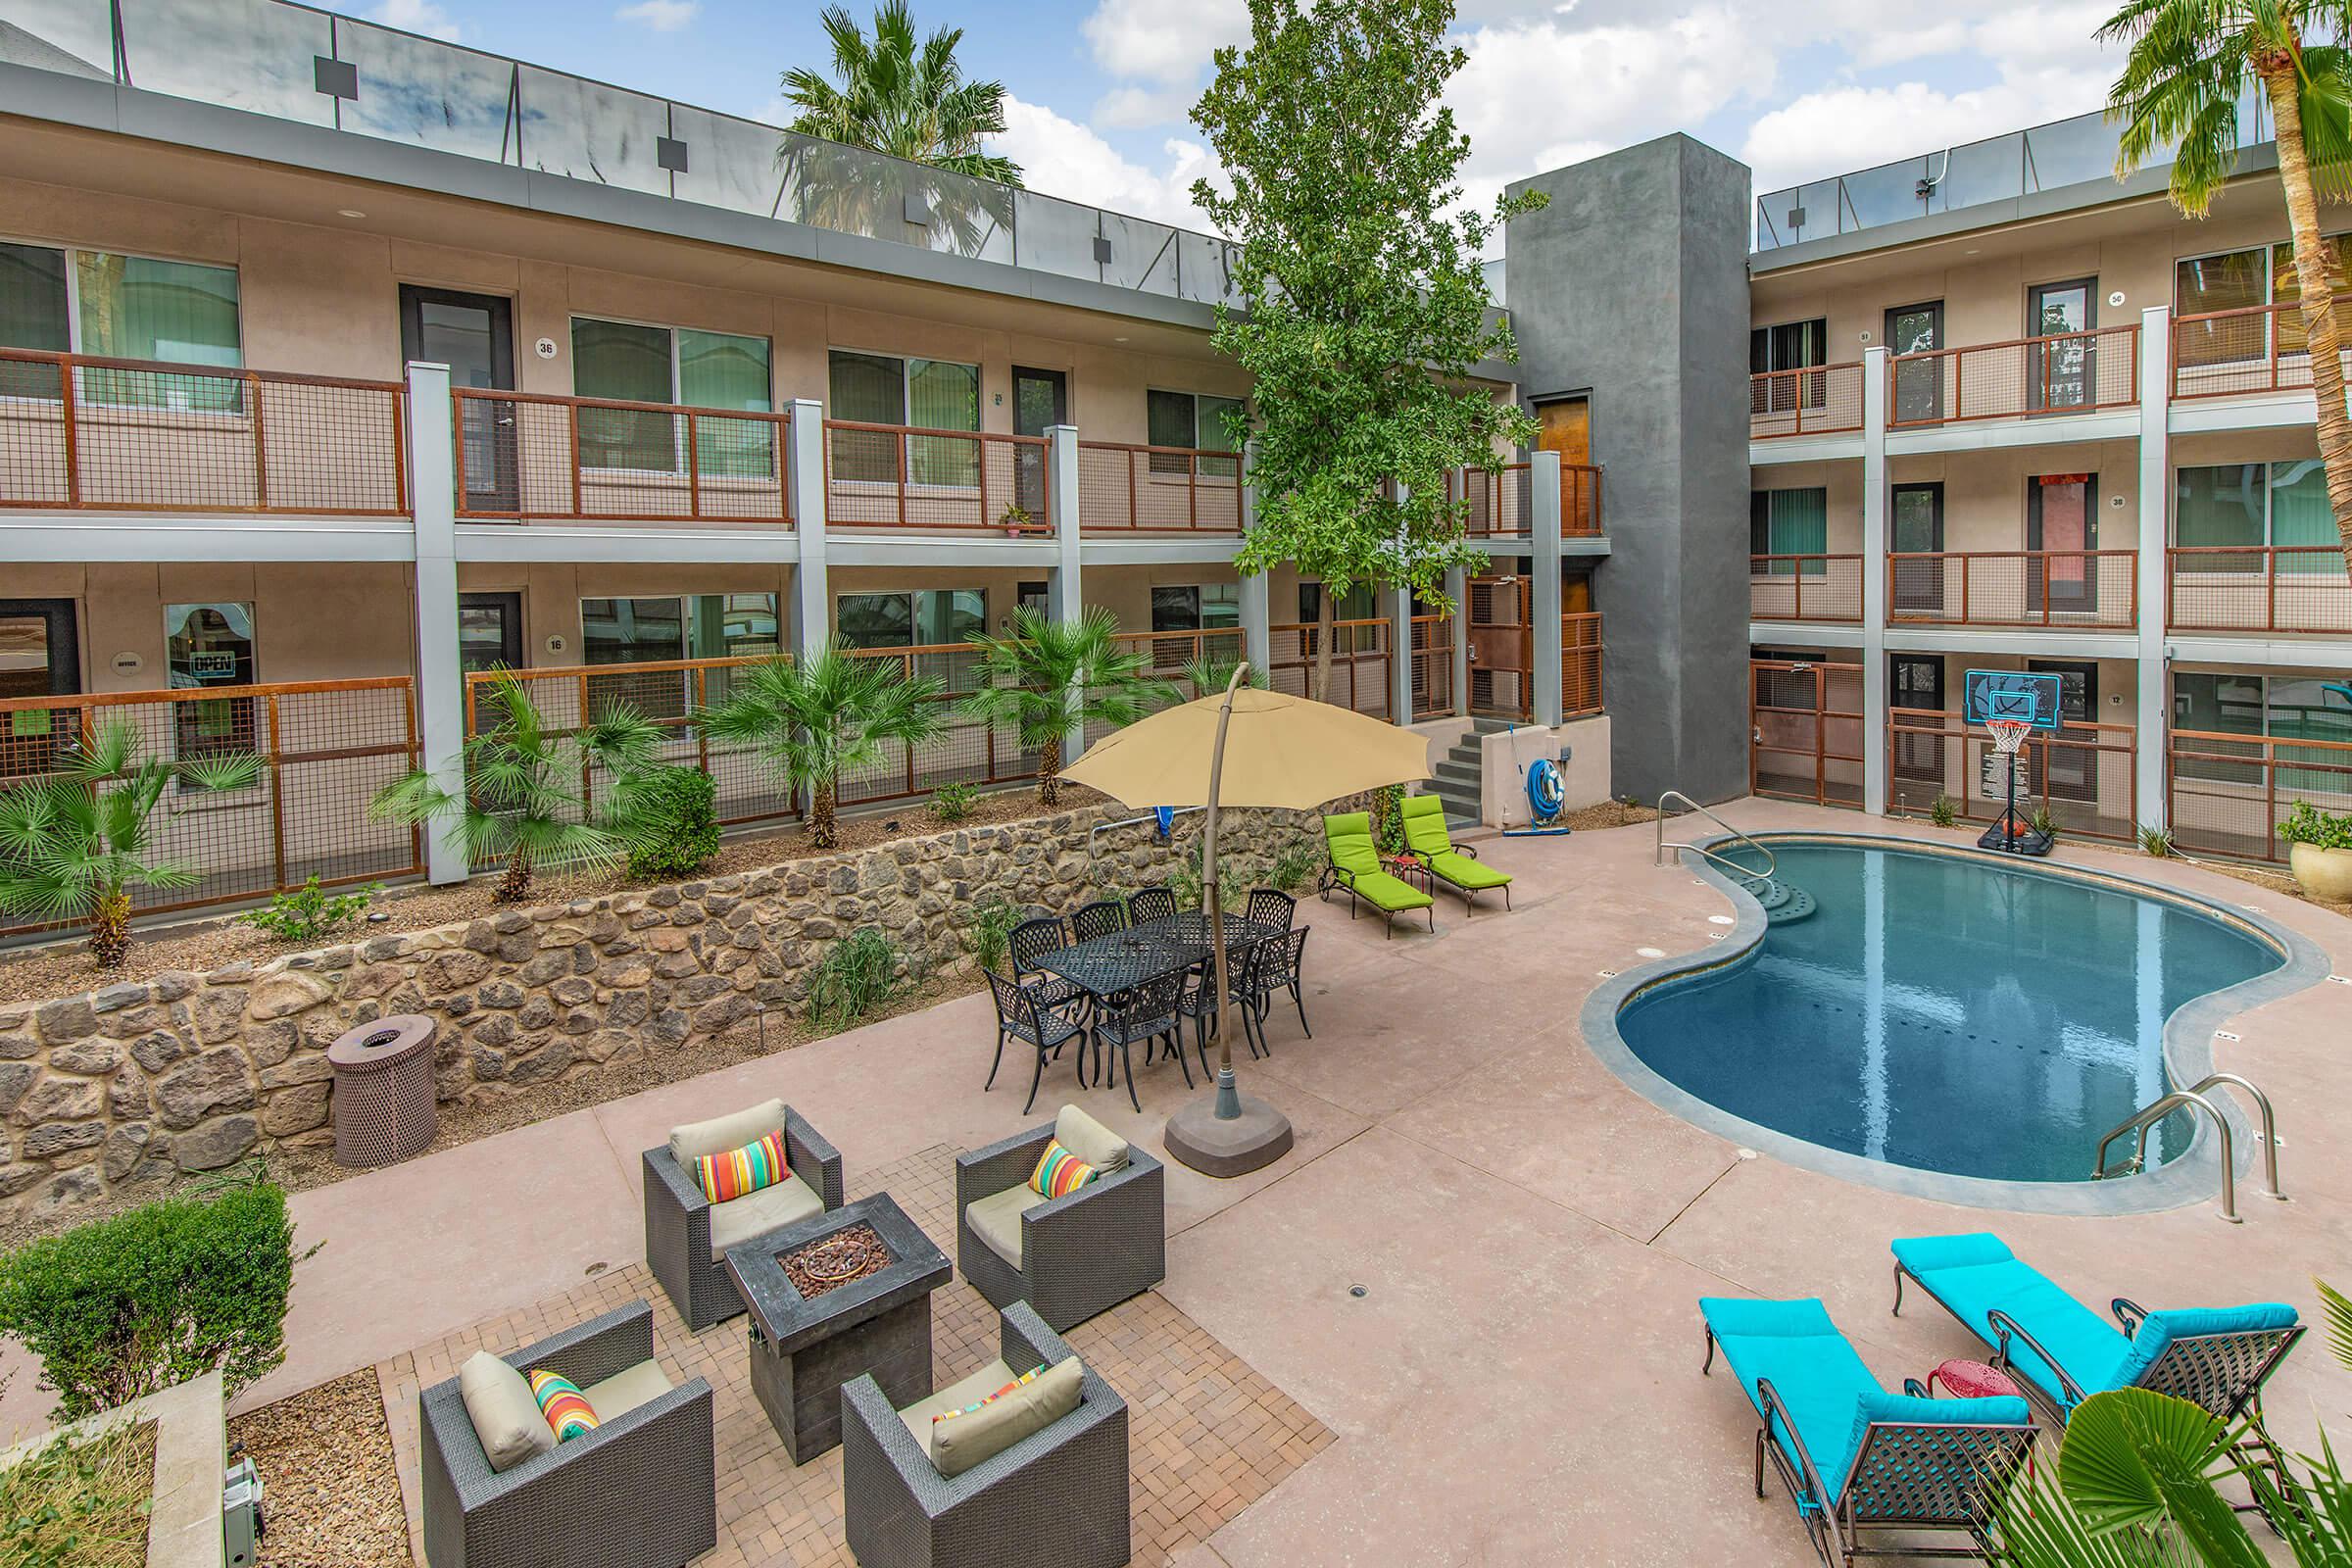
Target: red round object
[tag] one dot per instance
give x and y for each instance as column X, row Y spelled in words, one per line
column 1974, row 1380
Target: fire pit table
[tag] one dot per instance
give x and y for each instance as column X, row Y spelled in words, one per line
column 834, row 1296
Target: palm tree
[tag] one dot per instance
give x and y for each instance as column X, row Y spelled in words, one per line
column 813, row 719
column 1050, row 676
column 77, row 841
column 1208, row 676
column 525, row 799
column 908, row 101
column 2188, row 63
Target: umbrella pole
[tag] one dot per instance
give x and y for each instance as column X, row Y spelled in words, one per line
column 1229, row 1098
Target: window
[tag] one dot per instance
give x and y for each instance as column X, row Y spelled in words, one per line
column 1789, row 346
column 2278, row 708
column 210, row 644
column 127, row 308
column 672, row 626
column 1361, row 603
column 2262, row 275
column 926, row 617
column 1786, row 522
column 2253, row 505
column 634, row 364
column 1210, row 607
column 1192, row 420
column 927, row 394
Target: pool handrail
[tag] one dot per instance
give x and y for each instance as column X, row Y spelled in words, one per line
column 1659, row 854
column 2181, row 1099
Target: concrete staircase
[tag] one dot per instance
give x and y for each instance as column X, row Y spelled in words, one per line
column 1461, row 772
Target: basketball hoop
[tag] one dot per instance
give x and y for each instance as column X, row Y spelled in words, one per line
column 2009, row 734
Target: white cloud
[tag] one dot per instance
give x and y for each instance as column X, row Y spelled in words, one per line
column 1164, row 43
column 1059, row 156
column 1130, row 108
column 418, row 16
column 663, row 16
column 1840, row 129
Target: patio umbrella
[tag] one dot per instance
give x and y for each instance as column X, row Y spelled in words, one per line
column 1244, row 747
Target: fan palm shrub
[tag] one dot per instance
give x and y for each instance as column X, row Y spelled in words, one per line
column 1046, row 676
column 524, row 800
column 74, row 842
column 1209, row 674
column 810, row 721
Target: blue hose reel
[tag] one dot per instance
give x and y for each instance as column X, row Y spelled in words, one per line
column 1546, row 793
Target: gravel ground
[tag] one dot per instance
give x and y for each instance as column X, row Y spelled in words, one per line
column 63, row 967
column 329, row 1494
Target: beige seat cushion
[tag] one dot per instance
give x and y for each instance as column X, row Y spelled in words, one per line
column 997, row 1220
column 505, row 1416
column 958, row 1445
column 739, row 1219
column 1089, row 1140
column 979, row 1386
column 694, row 1140
column 625, row 1391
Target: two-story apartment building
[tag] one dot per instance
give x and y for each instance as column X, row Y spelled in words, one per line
column 2007, row 411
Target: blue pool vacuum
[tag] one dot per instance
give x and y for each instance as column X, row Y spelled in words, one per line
column 1546, row 792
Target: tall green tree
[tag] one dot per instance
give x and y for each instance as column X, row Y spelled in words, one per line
column 1366, row 305
column 1045, row 677
column 814, row 719
column 2185, row 68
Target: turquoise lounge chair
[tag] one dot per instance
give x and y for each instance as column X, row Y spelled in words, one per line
column 1854, row 1456
column 2063, row 1352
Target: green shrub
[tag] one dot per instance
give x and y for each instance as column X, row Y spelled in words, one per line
column 989, row 935
column 1293, row 863
column 1944, row 811
column 1388, row 818
column 80, row 1504
column 952, row 803
column 668, row 816
column 2156, row 841
column 310, row 912
column 1185, row 883
column 122, row 1307
column 2044, row 822
column 860, row 973
column 2321, row 830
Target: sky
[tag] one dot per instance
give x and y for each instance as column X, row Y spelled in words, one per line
column 1099, row 90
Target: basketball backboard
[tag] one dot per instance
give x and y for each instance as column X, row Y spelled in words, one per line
column 2013, row 694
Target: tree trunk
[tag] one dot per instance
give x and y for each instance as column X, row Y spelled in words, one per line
column 1048, row 772
column 1323, row 618
column 2279, row 76
column 822, row 835
column 109, row 930
column 515, row 885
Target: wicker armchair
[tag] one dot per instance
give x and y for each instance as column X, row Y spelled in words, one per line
column 1058, row 1498
column 639, row 1491
column 1080, row 1255
column 677, row 1222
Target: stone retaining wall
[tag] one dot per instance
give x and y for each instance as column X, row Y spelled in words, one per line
column 127, row 1088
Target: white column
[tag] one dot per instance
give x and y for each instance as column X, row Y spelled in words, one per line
column 2155, row 532
column 440, row 683
column 1065, row 593
column 804, row 472
column 1457, row 589
column 1544, row 570
column 1400, row 662
column 1873, row 580
column 1258, row 619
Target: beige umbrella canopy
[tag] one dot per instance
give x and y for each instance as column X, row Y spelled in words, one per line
column 1243, row 746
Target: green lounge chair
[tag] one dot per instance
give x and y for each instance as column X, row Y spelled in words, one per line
column 1458, row 868
column 1355, row 866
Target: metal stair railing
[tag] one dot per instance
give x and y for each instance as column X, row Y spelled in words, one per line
column 2195, row 1095
column 1729, row 866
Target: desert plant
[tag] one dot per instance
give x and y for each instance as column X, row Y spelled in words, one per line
column 522, row 801
column 1293, row 863
column 123, row 1306
column 813, row 718
column 2321, row 830
column 1014, row 519
column 1943, row 812
column 80, row 1504
column 2156, row 841
column 990, row 933
column 857, row 974
column 2044, row 822
column 952, row 803
column 667, row 818
column 1186, row 882
column 1209, row 675
column 1048, row 677
column 309, row 911
column 74, row 842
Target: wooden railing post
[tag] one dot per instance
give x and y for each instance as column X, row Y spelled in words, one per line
column 260, row 445
column 277, row 802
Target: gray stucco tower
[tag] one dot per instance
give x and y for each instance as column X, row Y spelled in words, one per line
column 1631, row 287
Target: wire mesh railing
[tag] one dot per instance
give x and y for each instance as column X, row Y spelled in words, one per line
column 2085, row 589
column 1433, row 667
column 1359, row 664
column 325, row 747
column 1146, row 489
column 1823, row 400
column 2277, row 588
column 529, row 456
column 136, row 435
column 1805, row 731
column 1801, row 587
column 967, row 751
column 2083, row 774
column 1496, row 502
column 2225, row 794
column 1580, row 501
column 2257, row 348
column 2064, row 372
column 908, row 477
column 1580, row 663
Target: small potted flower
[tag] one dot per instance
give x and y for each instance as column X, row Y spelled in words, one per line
column 1015, row 520
column 2322, row 853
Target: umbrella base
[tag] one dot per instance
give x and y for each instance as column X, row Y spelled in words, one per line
column 1235, row 1146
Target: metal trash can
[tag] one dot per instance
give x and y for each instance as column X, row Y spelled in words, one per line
column 383, row 1090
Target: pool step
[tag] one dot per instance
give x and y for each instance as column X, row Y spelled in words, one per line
column 1783, row 904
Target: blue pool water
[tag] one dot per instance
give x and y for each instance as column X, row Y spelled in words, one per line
column 1943, row 1013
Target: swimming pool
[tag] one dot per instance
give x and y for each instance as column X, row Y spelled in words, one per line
column 1944, row 1012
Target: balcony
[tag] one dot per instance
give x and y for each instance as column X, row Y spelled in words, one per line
column 525, row 457
column 1825, row 400
column 2279, row 588
column 2031, row 378
column 2259, row 348
column 906, row 477
column 1499, row 504
column 1132, row 489
column 2226, row 794
column 2082, row 774
column 1826, row 589
column 2083, row 590
column 80, row 434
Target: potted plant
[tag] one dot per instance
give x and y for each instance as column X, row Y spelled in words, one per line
column 2322, row 853
column 1015, row 519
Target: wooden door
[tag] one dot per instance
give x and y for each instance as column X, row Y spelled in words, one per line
column 1566, row 427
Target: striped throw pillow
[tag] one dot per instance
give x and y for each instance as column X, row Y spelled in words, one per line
column 1022, row 1381
column 562, row 1404
column 742, row 1170
column 1059, row 1172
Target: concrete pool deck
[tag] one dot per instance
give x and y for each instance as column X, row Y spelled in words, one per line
column 1520, row 1383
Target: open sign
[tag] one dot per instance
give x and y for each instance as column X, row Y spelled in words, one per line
column 210, row 666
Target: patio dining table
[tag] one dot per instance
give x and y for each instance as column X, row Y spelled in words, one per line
column 1114, row 963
